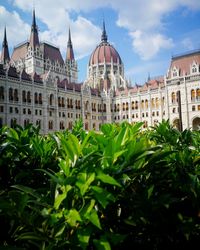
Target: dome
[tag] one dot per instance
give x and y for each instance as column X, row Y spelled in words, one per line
column 104, row 52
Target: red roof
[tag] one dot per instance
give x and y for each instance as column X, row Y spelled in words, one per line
column 184, row 62
column 19, row 51
column 52, row 52
column 104, row 52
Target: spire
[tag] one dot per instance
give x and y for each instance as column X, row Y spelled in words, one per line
column 34, row 39
column 5, row 57
column 70, row 52
column 104, row 35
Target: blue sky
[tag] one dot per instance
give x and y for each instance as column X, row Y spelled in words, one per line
column 145, row 33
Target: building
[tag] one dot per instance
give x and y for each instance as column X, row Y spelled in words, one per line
column 38, row 86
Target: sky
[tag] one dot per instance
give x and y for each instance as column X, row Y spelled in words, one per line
column 146, row 33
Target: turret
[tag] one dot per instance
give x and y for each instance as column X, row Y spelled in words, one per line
column 34, row 38
column 70, row 52
column 104, row 37
column 5, row 57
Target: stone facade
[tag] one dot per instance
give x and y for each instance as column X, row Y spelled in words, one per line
column 37, row 86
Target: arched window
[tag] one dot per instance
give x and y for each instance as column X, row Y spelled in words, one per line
column 38, row 123
column 146, row 104
column 10, row 94
column 198, row 94
column 40, row 98
column 36, row 98
column 1, row 122
column 145, row 125
column 86, row 126
column 194, row 68
column 104, row 107
column 94, row 126
column 152, row 103
column 63, row 102
column 23, row 96
column 157, row 102
column 1, row 93
column 29, row 97
column 193, row 95
column 173, row 97
column 62, row 125
column 70, row 125
column 13, row 122
column 16, row 95
column 126, row 105
column 59, row 101
column 136, row 105
column 26, row 122
column 50, row 125
column 142, row 104
column 133, row 105
column 51, row 99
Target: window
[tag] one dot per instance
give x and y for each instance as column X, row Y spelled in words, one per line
column 173, row 97
column 13, row 122
column 1, row 109
column 40, row 98
column 198, row 94
column 1, row 93
column 193, row 95
column 16, row 99
column 10, row 94
column 51, row 99
column 198, row 107
column 36, row 98
column 24, row 111
column 29, row 97
column 23, row 96
column 50, row 125
column 193, row 108
column 11, row 109
column 194, row 68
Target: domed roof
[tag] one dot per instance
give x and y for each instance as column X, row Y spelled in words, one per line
column 104, row 52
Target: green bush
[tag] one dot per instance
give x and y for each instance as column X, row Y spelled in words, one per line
column 117, row 189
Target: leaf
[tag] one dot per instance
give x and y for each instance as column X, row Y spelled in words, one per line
column 102, row 244
column 107, row 179
column 71, row 147
column 60, row 230
column 27, row 190
column 102, row 196
column 72, row 217
column 93, row 217
column 83, row 235
column 150, row 190
column 30, row 236
column 60, row 197
column 84, row 181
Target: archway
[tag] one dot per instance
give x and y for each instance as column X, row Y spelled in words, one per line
column 196, row 123
column 176, row 124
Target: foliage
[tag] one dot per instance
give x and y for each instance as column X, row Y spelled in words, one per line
column 110, row 190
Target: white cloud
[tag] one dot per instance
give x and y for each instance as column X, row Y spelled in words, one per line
column 187, row 43
column 143, row 16
column 15, row 33
column 147, row 45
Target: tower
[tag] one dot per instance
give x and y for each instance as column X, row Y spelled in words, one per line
column 71, row 64
column 105, row 68
column 34, row 58
column 5, row 57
